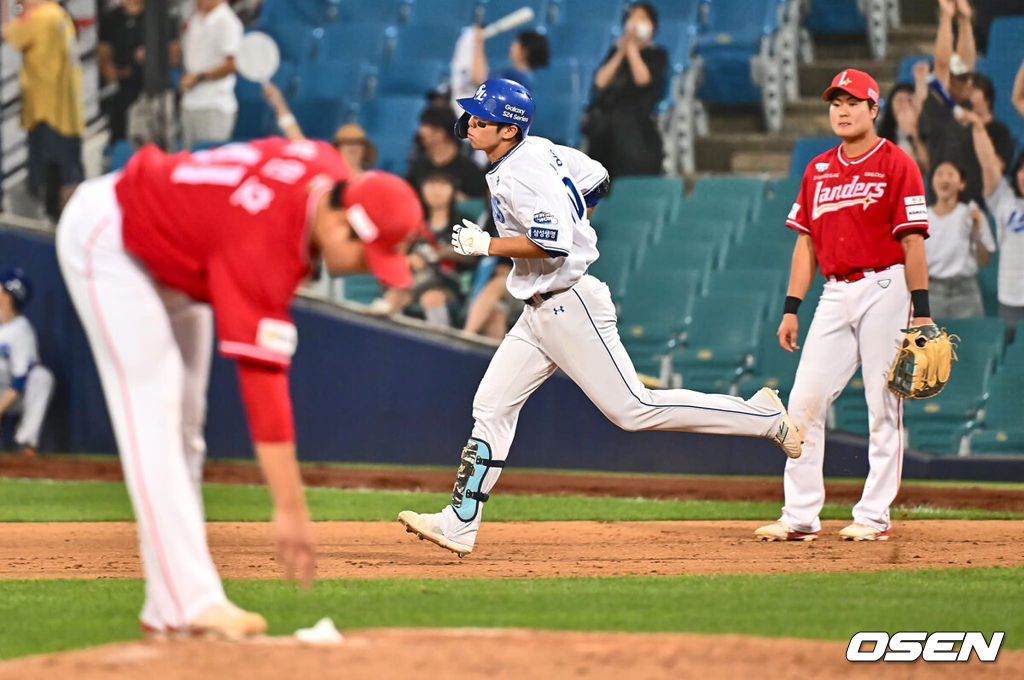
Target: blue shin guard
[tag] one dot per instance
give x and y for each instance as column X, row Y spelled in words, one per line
column 466, row 496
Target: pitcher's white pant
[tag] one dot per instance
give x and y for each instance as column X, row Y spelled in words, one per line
column 576, row 331
column 855, row 324
column 32, row 404
column 152, row 349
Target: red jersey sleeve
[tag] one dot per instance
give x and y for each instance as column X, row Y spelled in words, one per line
column 799, row 217
column 908, row 209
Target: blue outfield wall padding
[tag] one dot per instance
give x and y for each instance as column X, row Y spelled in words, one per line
column 367, row 390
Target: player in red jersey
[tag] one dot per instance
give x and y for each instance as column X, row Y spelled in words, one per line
column 862, row 219
column 155, row 256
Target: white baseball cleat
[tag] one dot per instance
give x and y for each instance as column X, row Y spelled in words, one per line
column 788, row 436
column 780, row 531
column 862, row 532
column 429, row 527
column 227, row 621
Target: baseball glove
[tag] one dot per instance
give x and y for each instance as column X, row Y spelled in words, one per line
column 921, row 368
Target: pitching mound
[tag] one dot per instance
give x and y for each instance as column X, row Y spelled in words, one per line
column 475, row 653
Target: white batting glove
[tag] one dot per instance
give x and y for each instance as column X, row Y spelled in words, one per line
column 470, row 239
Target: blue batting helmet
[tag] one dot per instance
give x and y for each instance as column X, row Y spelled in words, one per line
column 16, row 284
column 498, row 100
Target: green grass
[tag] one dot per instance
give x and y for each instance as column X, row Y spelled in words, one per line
column 69, row 614
column 59, row 501
column 569, row 473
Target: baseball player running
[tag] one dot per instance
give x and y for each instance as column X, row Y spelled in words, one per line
column 542, row 195
column 155, row 256
column 25, row 385
column 862, row 219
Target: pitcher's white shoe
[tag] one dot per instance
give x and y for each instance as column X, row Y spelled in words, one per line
column 780, row 531
column 442, row 528
column 788, row 436
column 228, row 621
column 862, row 532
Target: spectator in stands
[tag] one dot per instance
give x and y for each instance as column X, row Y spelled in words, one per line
column 1005, row 196
column 439, row 273
column 441, row 152
column 52, row 109
column 121, row 55
column 620, row 122
column 959, row 243
column 982, row 98
column 350, row 139
column 528, row 52
column 898, row 122
column 946, row 94
column 208, row 105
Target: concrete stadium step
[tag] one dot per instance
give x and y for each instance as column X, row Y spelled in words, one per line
column 716, row 152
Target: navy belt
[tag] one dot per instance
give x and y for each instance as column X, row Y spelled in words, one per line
column 539, row 298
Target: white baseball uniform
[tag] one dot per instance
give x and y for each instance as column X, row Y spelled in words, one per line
column 20, row 369
column 538, row 190
column 855, row 211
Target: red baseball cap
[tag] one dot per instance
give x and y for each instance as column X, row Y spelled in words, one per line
column 384, row 211
column 855, row 83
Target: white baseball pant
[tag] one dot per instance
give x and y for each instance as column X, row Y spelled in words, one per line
column 152, row 348
column 855, row 324
column 576, row 331
column 32, row 405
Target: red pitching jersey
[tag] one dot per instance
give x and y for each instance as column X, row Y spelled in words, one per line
column 230, row 226
column 856, row 210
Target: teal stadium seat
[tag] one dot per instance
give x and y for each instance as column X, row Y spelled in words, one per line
column 627, row 216
column 1003, row 426
column 361, row 288
column 965, row 392
column 614, row 267
column 771, row 283
column 684, row 232
column 696, row 257
column 653, row 313
column 807, row 149
column 722, row 330
column 773, row 366
column 669, row 189
column 737, row 210
column 724, row 189
column 745, row 255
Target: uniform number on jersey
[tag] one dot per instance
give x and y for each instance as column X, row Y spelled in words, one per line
column 574, row 199
column 252, row 196
column 284, row 170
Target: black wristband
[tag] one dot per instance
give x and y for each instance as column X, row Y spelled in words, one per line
column 920, row 299
column 791, row 305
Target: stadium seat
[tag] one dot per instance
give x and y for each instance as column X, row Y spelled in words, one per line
column 561, row 77
column 805, row 150
column 364, row 41
column 424, row 41
column 309, row 12
column 361, row 288
column 686, row 231
column 334, row 79
column 732, row 35
column 296, row 41
column 751, row 255
column 496, row 9
column 412, row 78
column 936, row 437
column 988, row 282
column 614, row 267
column 320, row 117
column 121, row 151
column 836, row 17
column 988, row 332
column 391, row 122
column 770, row 282
column 1014, row 357
column 773, row 366
column 458, row 12
column 617, row 215
column 1003, row 430
column 571, row 11
column 558, row 119
column 382, row 11
column 655, row 308
column 582, row 37
column 697, row 257
column 724, row 189
column 736, row 210
column 722, row 332
column 667, row 188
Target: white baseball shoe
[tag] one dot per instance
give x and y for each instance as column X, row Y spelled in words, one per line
column 788, row 436
column 780, row 531
column 862, row 532
column 442, row 528
column 227, row 621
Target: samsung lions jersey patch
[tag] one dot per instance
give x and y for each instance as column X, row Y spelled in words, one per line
column 543, row 234
column 544, row 217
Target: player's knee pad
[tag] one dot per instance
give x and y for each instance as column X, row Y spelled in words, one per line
column 476, row 461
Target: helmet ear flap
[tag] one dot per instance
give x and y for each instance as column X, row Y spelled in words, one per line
column 462, row 126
